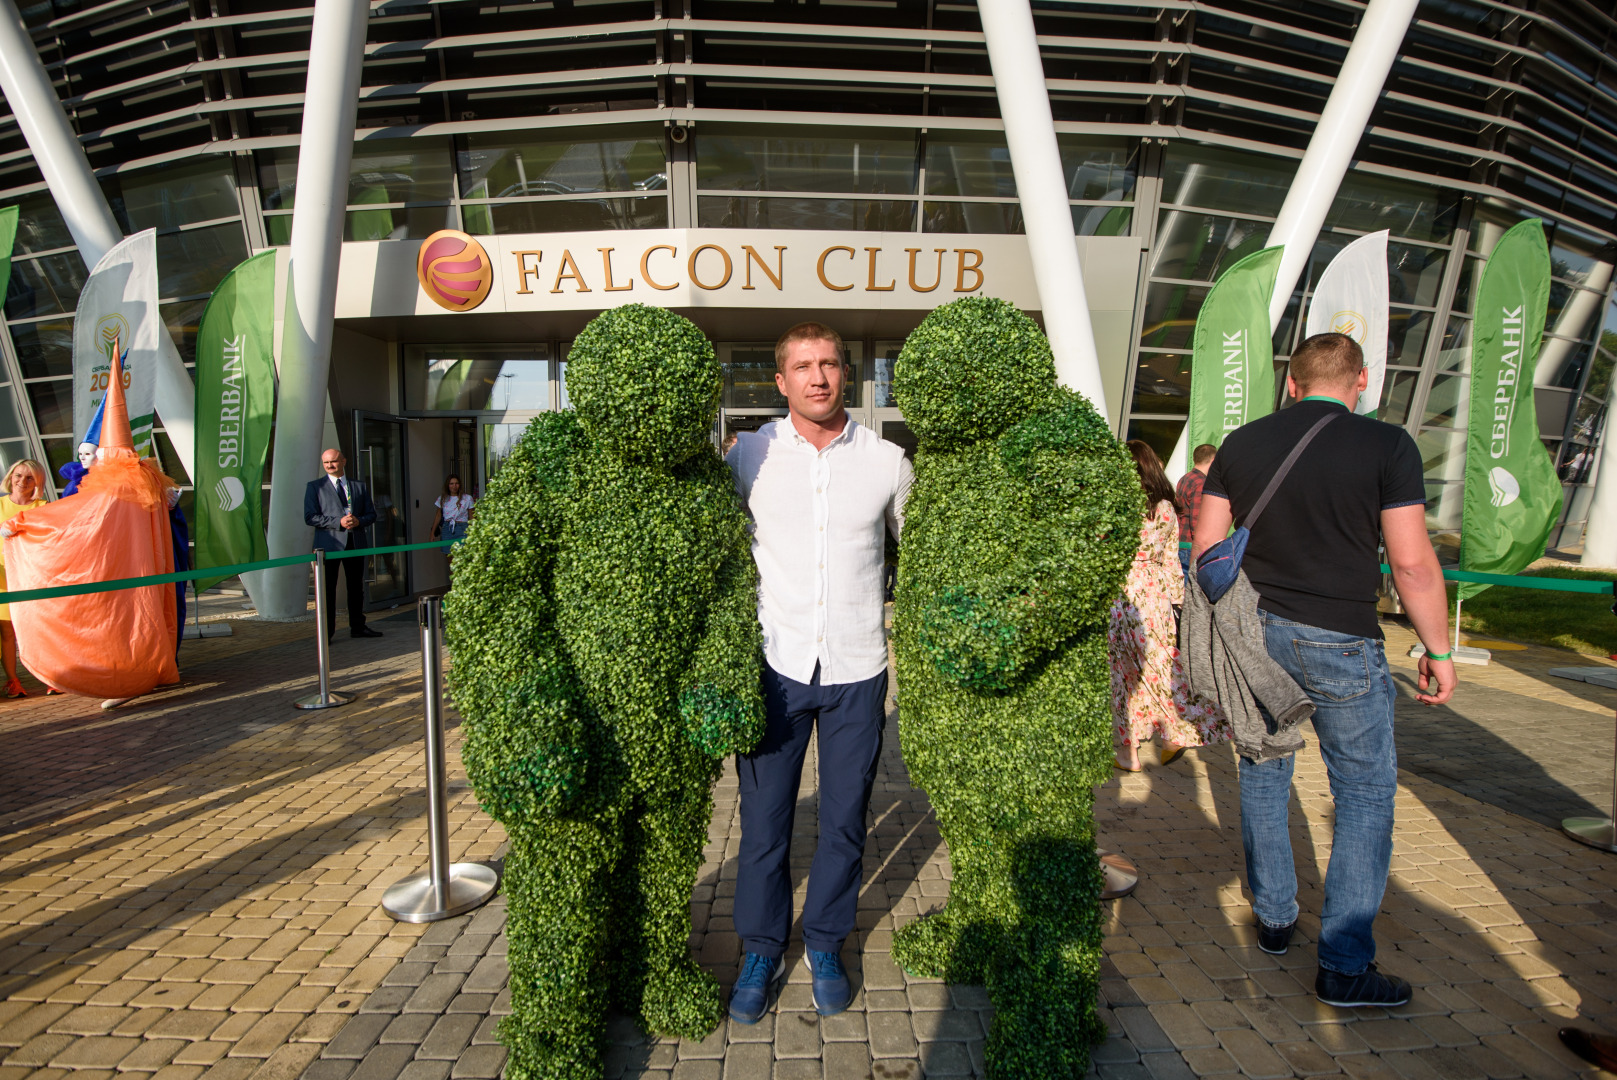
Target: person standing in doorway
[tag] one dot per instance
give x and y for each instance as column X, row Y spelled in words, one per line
column 823, row 492
column 341, row 512
column 454, row 513
column 1313, row 561
column 1188, row 495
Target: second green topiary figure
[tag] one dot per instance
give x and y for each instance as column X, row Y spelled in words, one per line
column 1018, row 534
column 604, row 634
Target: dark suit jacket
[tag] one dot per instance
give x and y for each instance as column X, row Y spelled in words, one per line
column 324, row 510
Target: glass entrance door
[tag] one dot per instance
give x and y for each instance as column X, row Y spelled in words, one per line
column 379, row 445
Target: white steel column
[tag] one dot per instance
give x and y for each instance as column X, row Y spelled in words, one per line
column 1330, row 151
column 1600, row 534
column 1024, row 102
column 72, row 184
column 330, row 106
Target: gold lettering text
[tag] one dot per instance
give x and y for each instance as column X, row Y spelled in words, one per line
column 871, row 285
column 964, row 268
column 819, row 268
column 606, row 264
column 936, row 280
column 569, row 269
column 779, row 273
column 524, row 271
column 645, row 267
column 690, row 266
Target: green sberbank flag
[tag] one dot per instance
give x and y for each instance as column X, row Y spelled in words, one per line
column 8, row 237
column 235, row 379
column 1232, row 375
column 1512, row 495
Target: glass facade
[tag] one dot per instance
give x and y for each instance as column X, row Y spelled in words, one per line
column 1168, row 128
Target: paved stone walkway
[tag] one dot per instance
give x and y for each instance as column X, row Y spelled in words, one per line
column 190, row 888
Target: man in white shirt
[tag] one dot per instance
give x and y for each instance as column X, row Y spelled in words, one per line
column 823, row 492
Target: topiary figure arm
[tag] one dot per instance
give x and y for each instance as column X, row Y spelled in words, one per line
column 1079, row 528
column 720, row 700
column 527, row 724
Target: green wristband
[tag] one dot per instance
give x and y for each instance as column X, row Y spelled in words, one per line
column 1440, row 656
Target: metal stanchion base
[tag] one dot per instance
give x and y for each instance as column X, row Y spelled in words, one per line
column 416, row 900
column 332, row 699
column 1597, row 832
column 1120, row 875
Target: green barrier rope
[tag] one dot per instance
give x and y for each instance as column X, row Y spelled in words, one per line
column 1603, row 588
column 204, row 572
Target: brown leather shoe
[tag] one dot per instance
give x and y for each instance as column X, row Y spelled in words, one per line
column 1598, row 1049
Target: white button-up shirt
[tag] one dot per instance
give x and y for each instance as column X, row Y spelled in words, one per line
column 819, row 525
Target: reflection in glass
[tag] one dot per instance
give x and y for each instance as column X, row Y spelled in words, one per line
column 1161, row 435
column 1220, row 179
column 1098, row 168
column 1442, row 454
column 183, row 319
column 401, row 170
column 499, row 441
column 886, row 359
column 1418, row 211
column 10, row 425
column 499, row 167
column 52, row 403
column 45, row 286
column 380, row 460
column 1415, row 274
column 1465, row 285
column 1162, row 383
column 1406, row 335
column 1447, row 401
column 748, row 211
column 565, row 215
column 1444, row 506
column 1600, row 375
column 39, row 224
column 749, row 378
column 1395, row 395
column 1169, row 320
column 394, row 223
column 756, row 158
column 1199, row 246
column 1489, row 221
column 968, row 163
column 169, row 196
column 193, row 262
column 476, row 378
column 1455, row 352
column 44, row 348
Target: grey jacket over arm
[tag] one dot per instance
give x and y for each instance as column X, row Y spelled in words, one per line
column 1227, row 661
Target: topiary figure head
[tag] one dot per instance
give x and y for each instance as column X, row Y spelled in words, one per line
column 974, row 368
column 645, row 384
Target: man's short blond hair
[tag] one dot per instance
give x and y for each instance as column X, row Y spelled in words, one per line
column 1326, row 360
column 807, row 331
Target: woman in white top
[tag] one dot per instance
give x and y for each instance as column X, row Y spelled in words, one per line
column 454, row 512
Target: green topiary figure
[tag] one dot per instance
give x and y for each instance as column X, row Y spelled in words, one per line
column 1018, row 534
column 603, row 625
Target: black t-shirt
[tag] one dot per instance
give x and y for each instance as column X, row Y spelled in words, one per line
column 1313, row 557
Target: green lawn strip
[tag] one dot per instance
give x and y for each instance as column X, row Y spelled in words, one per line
column 1578, row 621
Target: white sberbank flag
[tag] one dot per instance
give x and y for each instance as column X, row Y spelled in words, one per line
column 118, row 311
column 1351, row 299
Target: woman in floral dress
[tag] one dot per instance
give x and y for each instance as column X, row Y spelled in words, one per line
column 1150, row 698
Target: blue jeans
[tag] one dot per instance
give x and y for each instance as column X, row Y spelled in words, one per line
column 452, row 531
column 1353, row 695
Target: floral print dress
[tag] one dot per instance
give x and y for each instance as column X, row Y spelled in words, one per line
column 1150, row 695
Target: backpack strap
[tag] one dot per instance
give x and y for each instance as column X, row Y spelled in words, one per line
column 1285, row 467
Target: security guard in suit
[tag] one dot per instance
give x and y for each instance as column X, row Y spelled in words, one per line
column 341, row 512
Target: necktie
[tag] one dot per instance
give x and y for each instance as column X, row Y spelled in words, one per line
column 342, row 491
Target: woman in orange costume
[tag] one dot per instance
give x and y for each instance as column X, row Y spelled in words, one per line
column 25, row 488
column 108, row 644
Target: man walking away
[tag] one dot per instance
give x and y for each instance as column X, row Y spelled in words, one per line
column 340, row 510
column 822, row 492
column 1313, row 560
column 1188, row 494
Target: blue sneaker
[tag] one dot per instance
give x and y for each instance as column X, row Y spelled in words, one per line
column 831, row 990
column 760, row 978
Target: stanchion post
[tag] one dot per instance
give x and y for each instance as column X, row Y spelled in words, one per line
column 326, row 698
column 446, row 889
column 1597, row 832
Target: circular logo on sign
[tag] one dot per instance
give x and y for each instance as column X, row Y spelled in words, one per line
column 1350, row 323
column 454, row 270
column 230, row 492
column 1505, row 488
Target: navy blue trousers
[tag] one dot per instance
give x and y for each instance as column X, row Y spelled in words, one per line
column 850, row 718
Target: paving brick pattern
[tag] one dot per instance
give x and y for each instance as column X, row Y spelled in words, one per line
column 190, row 888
